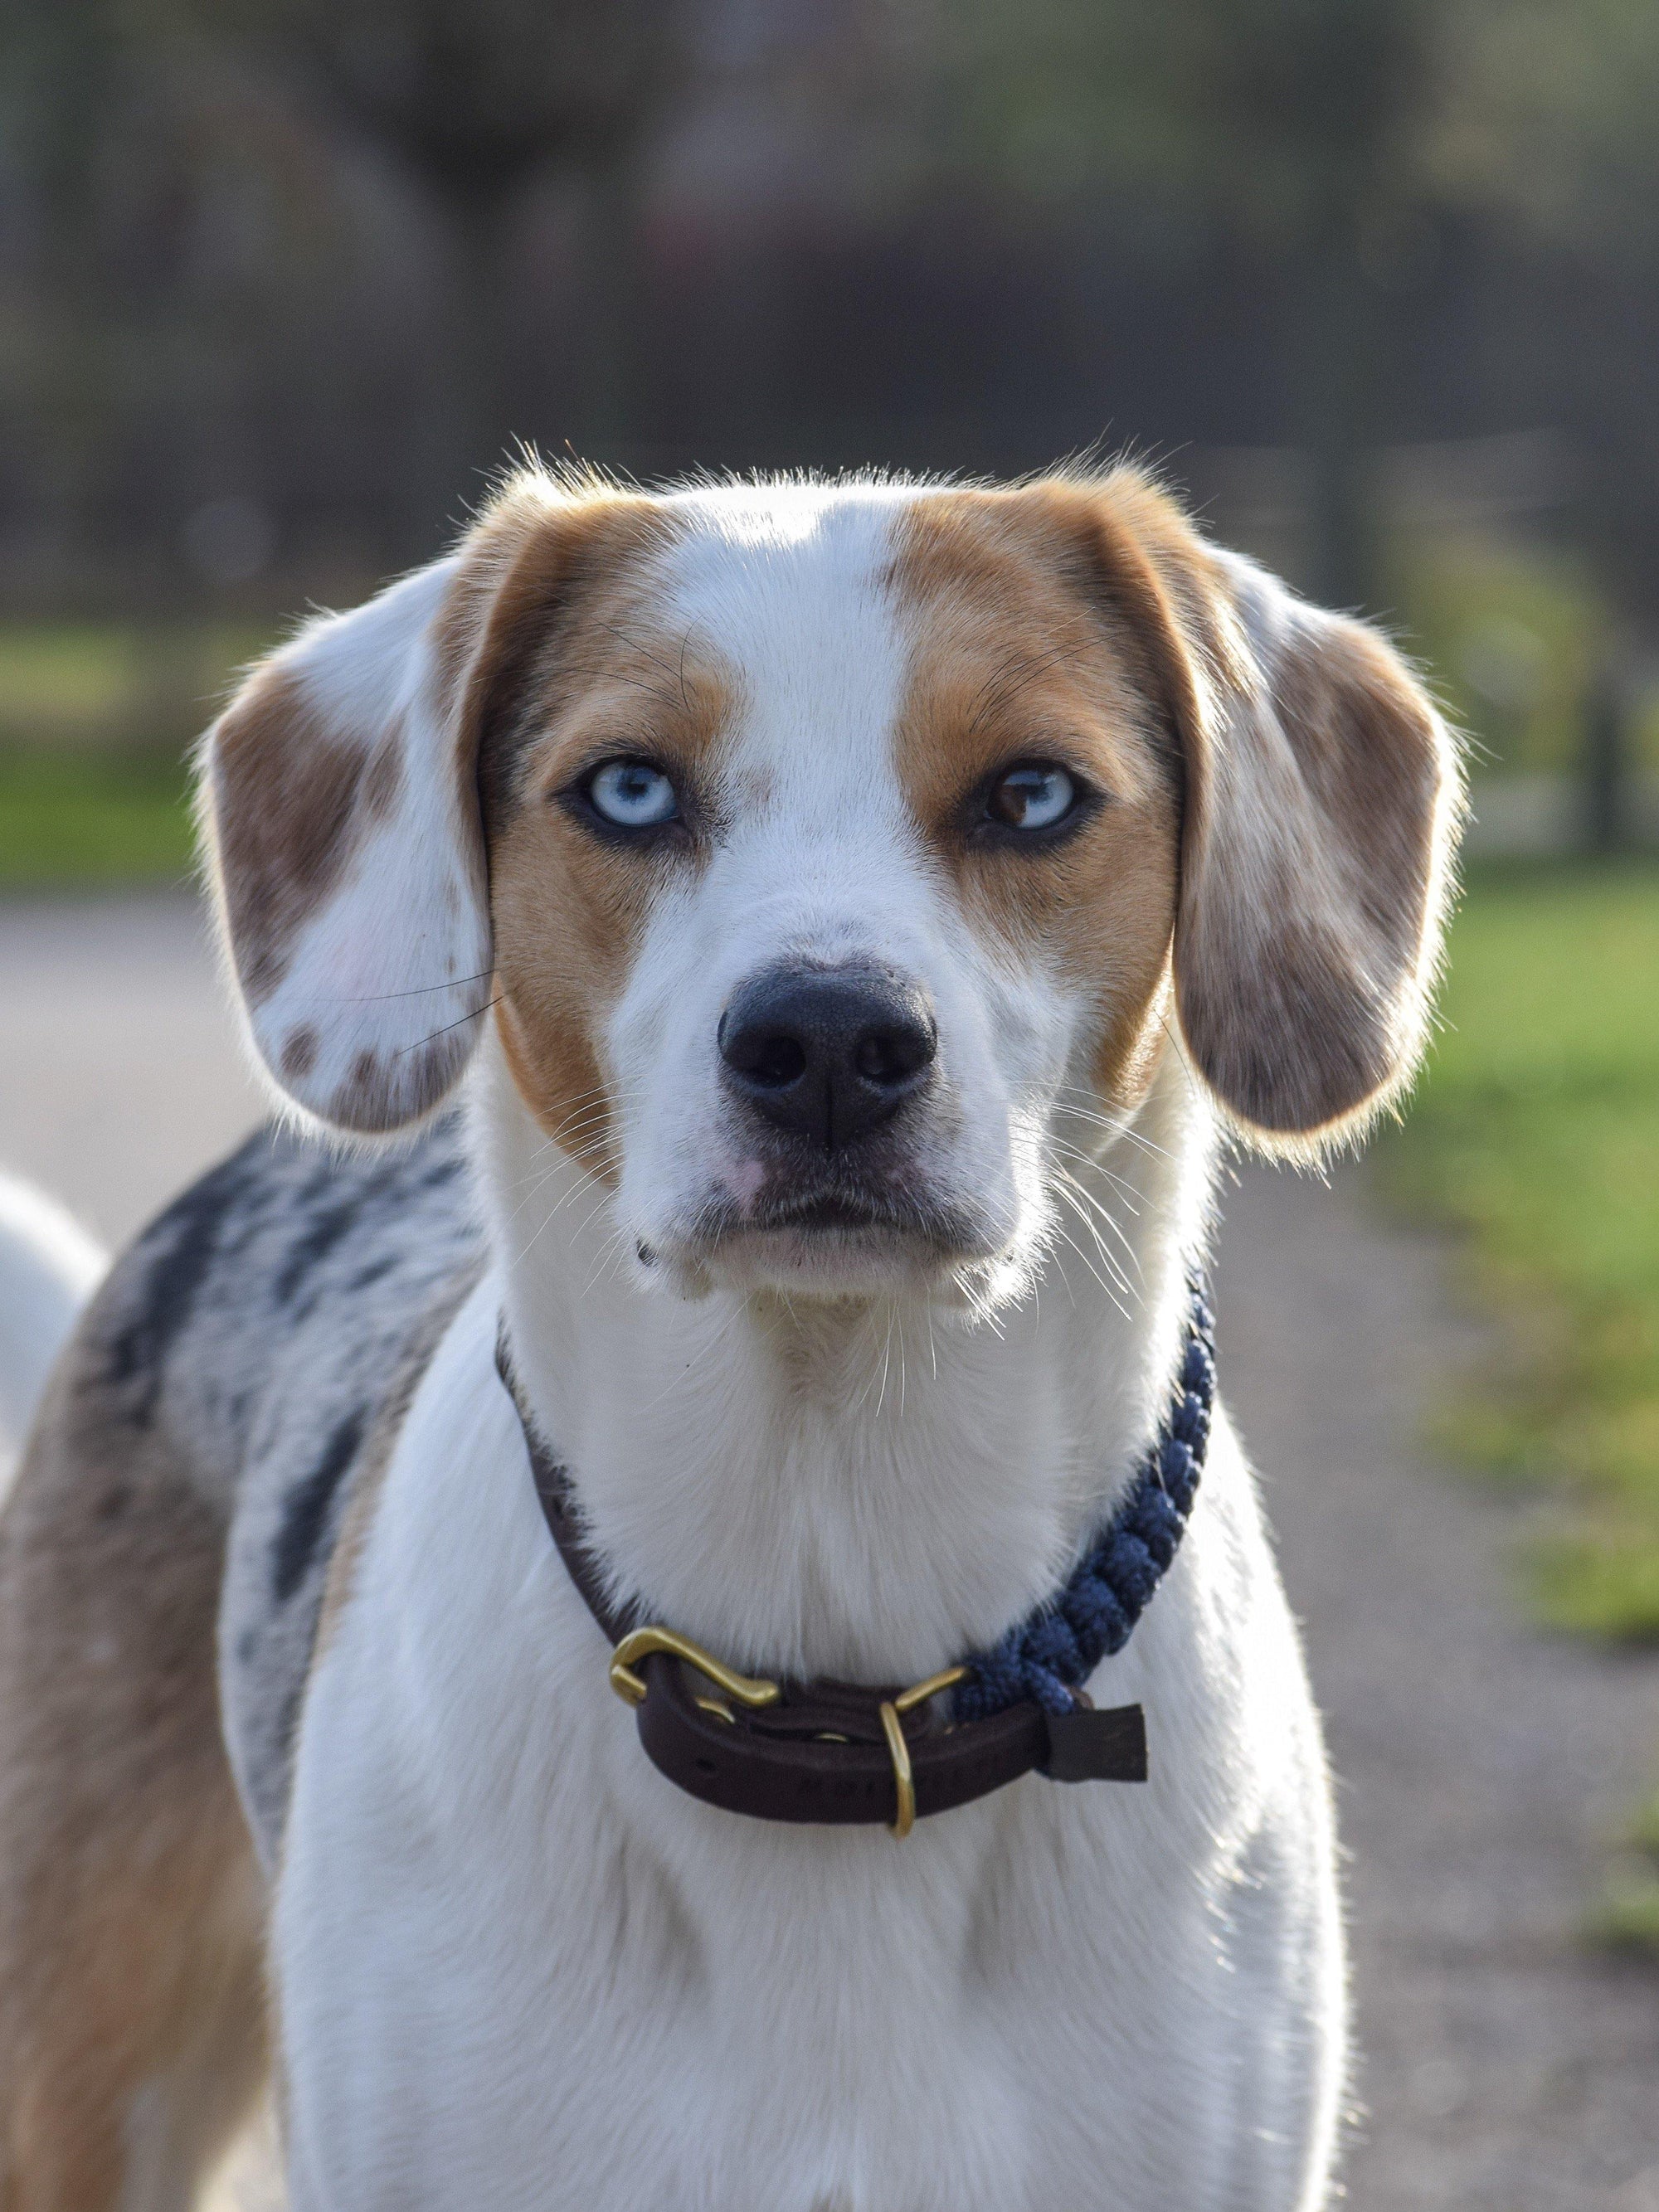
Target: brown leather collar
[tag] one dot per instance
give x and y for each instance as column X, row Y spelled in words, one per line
column 821, row 1751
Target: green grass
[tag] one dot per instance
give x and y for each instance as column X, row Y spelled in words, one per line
column 1536, row 1134
column 70, row 819
column 88, row 685
column 1625, row 1917
column 95, row 721
column 1513, row 636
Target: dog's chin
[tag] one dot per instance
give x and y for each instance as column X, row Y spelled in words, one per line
column 826, row 1263
column 828, row 1247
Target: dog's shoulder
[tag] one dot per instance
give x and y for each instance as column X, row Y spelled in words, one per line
column 267, row 1332
column 256, row 1293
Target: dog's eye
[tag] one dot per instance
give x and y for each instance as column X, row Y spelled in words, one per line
column 633, row 794
column 1032, row 798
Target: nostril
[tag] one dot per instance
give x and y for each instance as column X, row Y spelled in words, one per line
column 770, row 1058
column 892, row 1054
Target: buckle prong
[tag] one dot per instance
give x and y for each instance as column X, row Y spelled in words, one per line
column 749, row 1690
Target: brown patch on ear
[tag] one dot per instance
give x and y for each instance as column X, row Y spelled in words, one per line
column 1320, row 870
column 383, row 779
column 341, row 802
column 286, row 838
column 365, row 1088
column 1320, row 801
column 1016, row 653
column 300, row 1052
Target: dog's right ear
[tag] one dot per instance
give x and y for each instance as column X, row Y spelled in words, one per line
column 339, row 811
column 1320, row 797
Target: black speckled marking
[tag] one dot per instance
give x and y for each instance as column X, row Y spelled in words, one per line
column 311, row 1250
column 188, row 1233
column 305, row 1509
column 262, row 1405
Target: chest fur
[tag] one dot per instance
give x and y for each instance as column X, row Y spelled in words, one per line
column 632, row 1981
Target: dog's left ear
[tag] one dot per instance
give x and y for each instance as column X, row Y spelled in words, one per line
column 1321, row 799
column 339, row 811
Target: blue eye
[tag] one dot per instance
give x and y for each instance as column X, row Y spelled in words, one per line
column 633, row 794
column 1033, row 798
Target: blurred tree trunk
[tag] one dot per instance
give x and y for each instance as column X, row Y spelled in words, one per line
column 467, row 415
column 1361, row 72
column 474, row 103
column 606, row 423
column 1343, row 406
column 67, row 66
column 1605, row 762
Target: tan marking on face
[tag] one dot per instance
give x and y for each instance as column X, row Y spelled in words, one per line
column 526, row 562
column 294, row 798
column 1017, row 654
column 591, row 670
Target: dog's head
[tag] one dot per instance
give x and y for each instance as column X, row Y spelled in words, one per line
column 816, row 849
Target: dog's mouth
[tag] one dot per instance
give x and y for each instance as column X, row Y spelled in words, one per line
column 835, row 1235
column 829, row 1210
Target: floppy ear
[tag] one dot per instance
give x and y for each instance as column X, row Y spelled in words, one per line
column 347, row 860
column 1322, row 797
column 339, row 809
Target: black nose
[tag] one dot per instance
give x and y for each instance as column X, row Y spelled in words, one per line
column 829, row 1053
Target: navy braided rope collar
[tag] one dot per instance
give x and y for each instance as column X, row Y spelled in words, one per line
column 826, row 1751
column 1047, row 1658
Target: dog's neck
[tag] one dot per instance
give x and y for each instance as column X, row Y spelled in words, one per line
column 865, row 1490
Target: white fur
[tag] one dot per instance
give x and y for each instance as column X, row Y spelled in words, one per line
column 396, row 964
column 518, row 1966
column 49, row 1267
column 514, row 1965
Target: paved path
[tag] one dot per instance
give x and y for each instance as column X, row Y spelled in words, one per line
column 1483, row 1765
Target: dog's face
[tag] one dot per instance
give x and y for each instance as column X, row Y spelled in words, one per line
column 837, row 860
column 832, row 846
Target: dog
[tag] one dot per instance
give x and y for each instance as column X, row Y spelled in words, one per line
column 757, row 978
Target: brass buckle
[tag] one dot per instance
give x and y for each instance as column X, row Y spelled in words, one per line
column 899, row 1751
column 748, row 1690
column 756, row 1692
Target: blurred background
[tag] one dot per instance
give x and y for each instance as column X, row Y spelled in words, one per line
column 1374, row 282
column 1371, row 279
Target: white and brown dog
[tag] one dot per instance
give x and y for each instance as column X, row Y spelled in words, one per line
column 867, row 907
